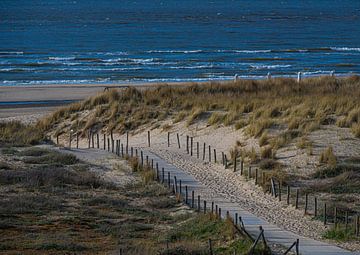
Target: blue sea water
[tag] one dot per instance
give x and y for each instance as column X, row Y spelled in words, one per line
column 82, row 41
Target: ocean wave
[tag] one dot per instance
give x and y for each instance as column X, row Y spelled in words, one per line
column 310, row 73
column 252, row 51
column 43, row 82
column 61, row 58
column 11, row 52
column 192, row 67
column 175, row 51
column 115, row 53
column 345, row 49
column 269, row 66
column 16, row 70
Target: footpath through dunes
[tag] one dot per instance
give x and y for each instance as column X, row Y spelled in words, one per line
column 234, row 193
column 230, row 192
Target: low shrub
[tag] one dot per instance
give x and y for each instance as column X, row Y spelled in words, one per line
column 328, row 157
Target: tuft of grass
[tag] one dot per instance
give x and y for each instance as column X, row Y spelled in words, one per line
column 216, row 118
column 240, row 124
column 181, row 116
column 267, row 152
column 194, row 115
column 355, row 129
column 264, row 139
column 328, row 157
column 340, row 234
column 52, row 158
column 303, row 143
column 15, row 133
column 257, row 127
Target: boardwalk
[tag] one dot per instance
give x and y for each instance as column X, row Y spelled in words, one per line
column 273, row 234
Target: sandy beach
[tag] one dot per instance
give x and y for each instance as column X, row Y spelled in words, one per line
column 28, row 103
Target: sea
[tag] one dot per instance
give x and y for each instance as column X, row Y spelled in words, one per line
column 123, row 41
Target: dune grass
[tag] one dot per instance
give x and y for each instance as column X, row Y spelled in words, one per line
column 15, row 133
column 268, row 103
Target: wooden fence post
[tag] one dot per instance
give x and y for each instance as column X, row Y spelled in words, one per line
column 77, row 140
column 204, row 151
column 315, row 206
column 89, row 139
column 127, row 139
column 288, row 195
column 168, row 139
column 98, row 140
column 178, row 140
column 191, row 145
column 192, row 199
column 235, row 160
column 132, row 152
column 241, row 167
column 149, row 138
column 122, row 150
column 92, row 140
column 187, row 144
column 157, row 171
column 256, row 176
column 357, row 225
column 223, row 158
column 306, row 203
column 335, row 216
column 169, row 180
column 249, row 173
column 108, row 140
column 163, row 175
column 112, row 145
column 225, row 161
column 325, row 216
column 215, row 156
column 197, row 150
column 57, row 139
column 186, row 194
column 209, row 153
column 297, row 199
column 204, row 206
column 142, row 158
column 212, row 207
column 279, row 191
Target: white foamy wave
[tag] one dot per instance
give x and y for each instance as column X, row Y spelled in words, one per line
column 61, row 58
column 269, row 66
column 174, row 51
column 11, row 52
column 98, row 69
column 310, row 73
column 345, row 49
column 191, row 67
column 252, row 51
column 16, row 69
